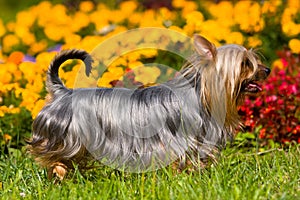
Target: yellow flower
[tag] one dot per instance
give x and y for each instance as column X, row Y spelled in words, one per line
column 18, row 91
column 235, row 38
column 36, row 85
column 29, row 71
column 37, row 108
column 105, row 80
column 208, row 30
column 28, row 38
column 146, row 75
column 61, row 16
column 147, row 52
column 113, row 74
column 294, row 4
column 43, row 60
column 10, row 72
column 119, row 62
column 25, row 18
column 166, row 13
column 135, row 18
column 278, row 64
column 56, row 32
column 43, row 10
column 5, row 76
column 223, row 11
column 178, row 3
column 270, row 6
column 119, row 16
column 89, row 43
column 189, row 6
column 72, row 40
column 12, row 68
column 117, row 72
column 28, row 99
column 132, row 56
column 291, row 29
column 195, row 19
column 38, row 47
column 8, row 87
column 177, row 28
column 86, row 6
column 247, row 14
column 10, row 41
column 11, row 26
column 150, row 18
column 8, row 110
column 81, row 20
column 1, row 56
column 135, row 64
column 294, row 45
column 254, row 42
column 78, row 79
column 2, row 28
column 128, row 7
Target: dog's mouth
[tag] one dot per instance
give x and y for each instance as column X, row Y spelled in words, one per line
column 252, row 87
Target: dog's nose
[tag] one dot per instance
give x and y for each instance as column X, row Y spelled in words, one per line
column 267, row 70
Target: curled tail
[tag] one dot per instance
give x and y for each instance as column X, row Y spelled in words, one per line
column 53, row 82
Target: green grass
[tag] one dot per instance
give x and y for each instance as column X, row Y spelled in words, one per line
column 271, row 175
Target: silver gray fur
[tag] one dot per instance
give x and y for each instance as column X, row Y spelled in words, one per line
column 187, row 119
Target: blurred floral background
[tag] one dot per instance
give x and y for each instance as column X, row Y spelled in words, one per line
column 31, row 32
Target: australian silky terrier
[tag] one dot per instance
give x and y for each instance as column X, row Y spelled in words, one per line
column 185, row 120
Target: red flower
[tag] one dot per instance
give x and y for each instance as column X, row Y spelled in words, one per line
column 271, row 98
column 262, row 133
column 284, row 62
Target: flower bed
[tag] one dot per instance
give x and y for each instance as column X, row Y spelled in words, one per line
column 277, row 110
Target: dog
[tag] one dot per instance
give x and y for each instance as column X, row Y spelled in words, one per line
column 185, row 120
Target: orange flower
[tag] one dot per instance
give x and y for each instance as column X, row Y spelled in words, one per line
column 6, row 138
column 16, row 57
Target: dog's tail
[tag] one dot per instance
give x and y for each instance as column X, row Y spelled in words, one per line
column 53, row 82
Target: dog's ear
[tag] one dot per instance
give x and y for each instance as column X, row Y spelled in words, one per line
column 204, row 47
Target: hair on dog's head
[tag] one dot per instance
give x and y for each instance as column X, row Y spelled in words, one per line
column 224, row 76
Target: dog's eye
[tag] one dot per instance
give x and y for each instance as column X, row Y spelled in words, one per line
column 247, row 64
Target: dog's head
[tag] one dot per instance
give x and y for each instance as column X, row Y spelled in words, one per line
column 227, row 74
column 239, row 70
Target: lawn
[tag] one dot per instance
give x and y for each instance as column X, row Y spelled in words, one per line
column 273, row 174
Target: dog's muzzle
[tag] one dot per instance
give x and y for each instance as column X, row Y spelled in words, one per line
column 253, row 86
